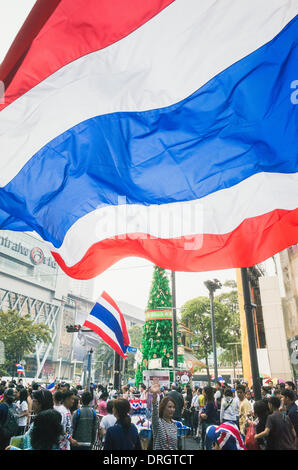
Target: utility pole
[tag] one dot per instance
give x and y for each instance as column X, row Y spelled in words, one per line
column 212, row 286
column 117, row 365
column 174, row 325
column 89, row 368
column 248, row 307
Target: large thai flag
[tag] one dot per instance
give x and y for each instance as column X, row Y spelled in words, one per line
column 155, row 128
column 108, row 322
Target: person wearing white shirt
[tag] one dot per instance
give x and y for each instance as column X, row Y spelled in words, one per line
column 195, row 408
column 143, row 391
column 229, row 410
column 22, row 410
column 249, row 397
column 66, row 422
column 107, row 421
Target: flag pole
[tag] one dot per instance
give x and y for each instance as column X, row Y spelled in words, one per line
column 89, row 368
column 116, row 370
column 248, row 307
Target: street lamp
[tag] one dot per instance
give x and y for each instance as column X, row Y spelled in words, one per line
column 212, row 286
column 231, row 344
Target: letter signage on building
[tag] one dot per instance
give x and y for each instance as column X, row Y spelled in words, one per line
column 36, row 254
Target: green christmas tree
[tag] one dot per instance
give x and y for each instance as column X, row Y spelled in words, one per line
column 157, row 341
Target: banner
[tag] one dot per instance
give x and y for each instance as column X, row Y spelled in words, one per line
column 162, row 375
column 154, row 364
column 159, row 314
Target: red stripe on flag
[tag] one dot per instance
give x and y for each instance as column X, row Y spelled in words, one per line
column 221, row 438
column 254, row 241
column 105, row 337
column 58, row 32
column 34, row 23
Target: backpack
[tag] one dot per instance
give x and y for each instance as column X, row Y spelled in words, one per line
column 78, row 418
column 79, row 414
column 10, row 426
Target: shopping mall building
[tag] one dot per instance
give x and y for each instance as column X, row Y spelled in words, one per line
column 32, row 283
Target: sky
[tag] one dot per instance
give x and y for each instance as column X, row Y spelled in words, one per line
column 130, row 279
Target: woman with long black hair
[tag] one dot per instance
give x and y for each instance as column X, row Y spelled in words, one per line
column 163, row 425
column 46, row 432
column 208, row 416
column 42, row 400
column 187, row 414
column 22, row 409
column 123, row 435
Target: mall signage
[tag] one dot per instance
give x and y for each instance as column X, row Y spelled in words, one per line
column 36, row 254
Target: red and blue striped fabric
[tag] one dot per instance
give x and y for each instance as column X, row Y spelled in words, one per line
column 161, row 129
column 52, row 387
column 20, row 369
column 108, row 322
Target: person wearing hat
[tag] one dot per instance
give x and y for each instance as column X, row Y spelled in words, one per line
column 226, row 436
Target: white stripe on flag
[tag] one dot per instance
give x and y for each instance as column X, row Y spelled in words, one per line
column 111, row 309
column 218, row 213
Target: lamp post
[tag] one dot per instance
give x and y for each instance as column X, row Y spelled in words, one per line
column 231, row 344
column 212, row 286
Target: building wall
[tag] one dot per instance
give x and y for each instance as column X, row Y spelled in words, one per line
column 289, row 267
column 28, row 271
column 275, row 328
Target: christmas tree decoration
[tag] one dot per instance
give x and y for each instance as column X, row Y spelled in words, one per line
column 157, row 331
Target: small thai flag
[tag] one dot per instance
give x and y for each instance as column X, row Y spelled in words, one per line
column 219, row 378
column 20, row 369
column 108, row 322
column 52, row 387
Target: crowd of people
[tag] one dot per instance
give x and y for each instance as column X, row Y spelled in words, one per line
column 222, row 417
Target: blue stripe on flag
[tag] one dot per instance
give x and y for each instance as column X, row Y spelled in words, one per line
column 240, row 123
column 106, row 317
